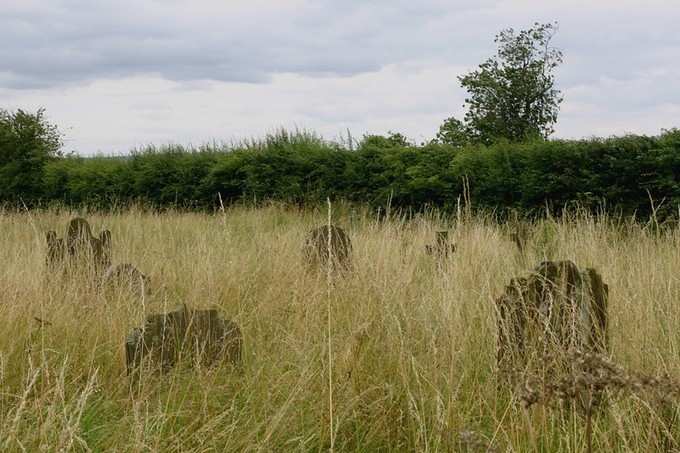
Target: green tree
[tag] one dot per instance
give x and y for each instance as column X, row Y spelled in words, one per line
column 392, row 140
column 453, row 132
column 27, row 142
column 512, row 95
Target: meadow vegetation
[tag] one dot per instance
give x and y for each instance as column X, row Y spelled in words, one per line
column 412, row 336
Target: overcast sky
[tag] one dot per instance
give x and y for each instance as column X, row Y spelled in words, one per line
column 115, row 74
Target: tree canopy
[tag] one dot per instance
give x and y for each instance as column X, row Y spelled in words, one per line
column 512, row 95
column 27, row 142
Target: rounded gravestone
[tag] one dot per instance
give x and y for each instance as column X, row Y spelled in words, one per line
column 328, row 245
column 125, row 276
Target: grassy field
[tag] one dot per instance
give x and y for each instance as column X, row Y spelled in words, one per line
column 412, row 338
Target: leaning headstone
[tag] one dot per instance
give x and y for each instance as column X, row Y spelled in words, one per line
column 441, row 248
column 555, row 310
column 126, row 276
column 319, row 253
column 197, row 336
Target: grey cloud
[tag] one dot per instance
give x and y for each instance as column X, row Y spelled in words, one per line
column 327, row 64
column 76, row 41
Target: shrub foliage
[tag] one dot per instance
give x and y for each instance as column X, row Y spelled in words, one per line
column 615, row 174
column 27, row 143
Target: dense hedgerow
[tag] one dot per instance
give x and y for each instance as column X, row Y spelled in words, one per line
column 615, row 174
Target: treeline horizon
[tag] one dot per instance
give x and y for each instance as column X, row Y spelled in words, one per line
column 627, row 175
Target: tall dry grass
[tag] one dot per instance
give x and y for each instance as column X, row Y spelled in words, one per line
column 413, row 339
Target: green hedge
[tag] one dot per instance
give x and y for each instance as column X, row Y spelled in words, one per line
column 615, row 174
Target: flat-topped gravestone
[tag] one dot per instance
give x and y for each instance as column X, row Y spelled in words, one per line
column 319, row 250
column 197, row 336
column 441, row 248
column 558, row 308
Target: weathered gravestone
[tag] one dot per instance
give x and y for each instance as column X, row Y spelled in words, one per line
column 79, row 248
column 441, row 248
column 557, row 309
column 56, row 250
column 319, row 251
column 520, row 234
column 126, row 276
column 83, row 246
column 197, row 336
column 519, row 229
